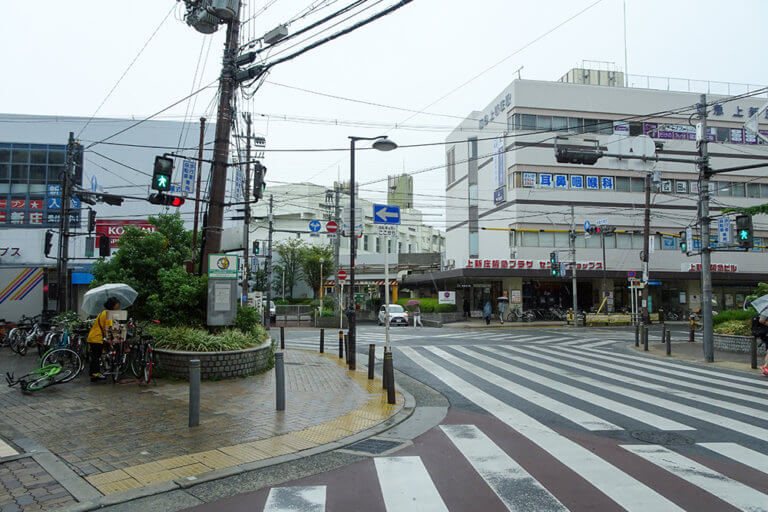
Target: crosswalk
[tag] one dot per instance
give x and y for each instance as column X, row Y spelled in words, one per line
column 623, row 431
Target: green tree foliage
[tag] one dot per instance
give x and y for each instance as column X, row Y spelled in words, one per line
column 310, row 266
column 760, row 209
column 290, row 252
column 151, row 263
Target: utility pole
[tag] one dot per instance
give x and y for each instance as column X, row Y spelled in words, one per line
column 221, row 143
column 706, row 272
column 574, row 288
column 645, row 314
column 336, row 242
column 66, row 199
column 268, row 262
column 197, row 189
column 247, row 216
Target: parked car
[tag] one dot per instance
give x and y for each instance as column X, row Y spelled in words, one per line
column 397, row 315
column 272, row 310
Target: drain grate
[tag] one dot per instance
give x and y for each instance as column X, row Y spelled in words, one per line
column 662, row 438
column 373, row 446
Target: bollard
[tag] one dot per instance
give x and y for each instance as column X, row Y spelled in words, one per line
column 282, row 338
column 322, row 340
column 669, row 343
column 389, row 371
column 194, row 392
column 384, row 372
column 691, row 334
column 645, row 338
column 346, row 347
column 637, row 335
column 371, row 360
column 341, row 344
column 280, row 381
column 663, row 333
column 753, row 353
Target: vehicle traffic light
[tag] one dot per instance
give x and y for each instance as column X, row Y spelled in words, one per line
column 48, row 241
column 105, row 246
column 166, row 200
column 256, row 247
column 91, row 220
column 554, row 264
column 683, row 242
column 744, row 235
column 259, row 184
column 161, row 177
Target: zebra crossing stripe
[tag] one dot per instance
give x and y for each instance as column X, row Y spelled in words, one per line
column 676, row 407
column 691, row 369
column 614, row 483
column 741, row 454
column 299, row 499
column 574, row 414
column 729, row 405
column 6, row 450
column 406, row 485
column 514, row 486
column 737, row 494
column 640, row 415
column 598, row 343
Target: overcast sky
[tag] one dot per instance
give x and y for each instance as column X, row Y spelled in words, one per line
column 63, row 58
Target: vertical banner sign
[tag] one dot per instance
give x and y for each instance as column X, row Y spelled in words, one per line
column 499, row 189
column 188, row 171
column 238, row 184
column 724, row 231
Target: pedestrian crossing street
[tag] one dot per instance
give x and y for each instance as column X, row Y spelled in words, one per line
column 626, row 431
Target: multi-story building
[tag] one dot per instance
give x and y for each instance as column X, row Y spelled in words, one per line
column 509, row 204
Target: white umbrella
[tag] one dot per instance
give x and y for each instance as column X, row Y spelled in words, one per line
column 93, row 300
column 761, row 305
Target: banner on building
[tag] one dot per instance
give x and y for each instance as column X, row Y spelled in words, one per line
column 114, row 229
column 446, row 297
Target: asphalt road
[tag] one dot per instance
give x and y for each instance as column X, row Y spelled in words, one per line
column 545, row 419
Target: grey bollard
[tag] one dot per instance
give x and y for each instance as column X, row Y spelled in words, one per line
column 194, row 392
column 669, row 343
column 346, row 347
column 280, row 381
column 753, row 353
column 384, row 372
column 282, row 338
column 341, row 344
column 389, row 371
column 645, row 338
column 663, row 333
column 637, row 335
column 322, row 340
column 371, row 360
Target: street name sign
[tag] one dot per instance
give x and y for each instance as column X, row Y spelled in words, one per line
column 386, row 214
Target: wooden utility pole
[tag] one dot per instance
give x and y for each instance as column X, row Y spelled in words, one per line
column 197, row 189
column 247, row 216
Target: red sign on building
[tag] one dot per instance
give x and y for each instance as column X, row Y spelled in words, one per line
column 114, row 229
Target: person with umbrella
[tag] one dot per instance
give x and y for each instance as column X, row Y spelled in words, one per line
column 759, row 326
column 96, row 337
column 502, row 302
column 487, row 310
column 416, row 313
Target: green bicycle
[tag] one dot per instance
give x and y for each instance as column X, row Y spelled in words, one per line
column 57, row 367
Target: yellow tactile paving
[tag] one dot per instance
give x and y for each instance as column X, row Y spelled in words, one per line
column 370, row 414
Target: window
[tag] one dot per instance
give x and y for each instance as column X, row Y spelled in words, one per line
column 378, row 245
column 637, row 185
column 763, row 190
column 590, row 126
column 399, row 247
column 56, row 157
column 623, row 241
column 546, row 239
column 753, row 190
column 5, row 155
column 38, row 156
column 410, row 248
column 530, row 238
column 575, row 125
column 365, row 242
column 622, row 184
column 593, row 242
column 474, row 245
column 722, row 188
column 37, row 174
column 19, row 173
column 526, row 122
column 605, row 127
column 559, row 124
column 637, row 241
column 389, row 246
column 635, row 129
column 610, row 242
column 20, row 156
column 722, row 134
column 450, row 166
column 738, row 189
column 544, row 123
column 5, row 171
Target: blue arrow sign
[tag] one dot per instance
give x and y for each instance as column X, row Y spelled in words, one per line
column 386, row 214
column 314, row 226
column 587, row 225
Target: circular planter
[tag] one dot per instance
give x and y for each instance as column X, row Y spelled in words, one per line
column 215, row 365
column 729, row 343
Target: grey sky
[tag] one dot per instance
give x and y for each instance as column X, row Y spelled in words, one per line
column 63, row 58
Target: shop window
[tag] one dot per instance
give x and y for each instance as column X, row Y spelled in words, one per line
column 635, row 129
column 637, row 185
column 546, row 239
column 738, row 189
column 575, row 125
column 623, row 240
column 753, row 190
column 722, row 134
column 559, row 124
column 530, row 238
column 561, row 239
column 474, row 245
column 544, row 123
column 622, row 184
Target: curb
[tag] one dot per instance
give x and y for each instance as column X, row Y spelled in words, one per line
column 409, row 406
column 725, row 365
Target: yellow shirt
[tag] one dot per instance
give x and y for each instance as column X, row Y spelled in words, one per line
column 99, row 328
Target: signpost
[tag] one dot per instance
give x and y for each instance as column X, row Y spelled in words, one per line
column 387, row 217
column 342, row 275
column 222, row 289
column 386, row 214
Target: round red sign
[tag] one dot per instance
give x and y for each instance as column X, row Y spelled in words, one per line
column 342, row 275
column 331, row 226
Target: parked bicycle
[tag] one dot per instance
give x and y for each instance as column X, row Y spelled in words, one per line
column 57, row 367
column 142, row 355
column 516, row 314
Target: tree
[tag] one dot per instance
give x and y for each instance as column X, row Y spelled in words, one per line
column 310, row 265
column 152, row 264
column 289, row 252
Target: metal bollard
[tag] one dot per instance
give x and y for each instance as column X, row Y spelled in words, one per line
column 669, row 343
column 384, row 372
column 645, row 338
column 346, row 347
column 663, row 333
column 322, row 340
column 371, row 360
column 341, row 344
column 753, row 353
column 282, row 338
column 194, row 392
column 280, row 381
column 389, row 371
column 637, row 335
column 691, row 337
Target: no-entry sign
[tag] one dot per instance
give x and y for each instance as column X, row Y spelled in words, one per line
column 331, row 226
column 342, row 275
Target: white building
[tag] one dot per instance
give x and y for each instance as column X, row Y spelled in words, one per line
column 510, row 204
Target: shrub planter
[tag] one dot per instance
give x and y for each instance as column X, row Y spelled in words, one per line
column 216, row 365
column 730, row 343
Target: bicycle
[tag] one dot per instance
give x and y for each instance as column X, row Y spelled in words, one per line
column 57, row 367
column 142, row 360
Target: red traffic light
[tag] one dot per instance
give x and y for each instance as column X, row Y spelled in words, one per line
column 177, row 201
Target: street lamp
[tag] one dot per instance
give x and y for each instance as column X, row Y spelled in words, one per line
column 381, row 143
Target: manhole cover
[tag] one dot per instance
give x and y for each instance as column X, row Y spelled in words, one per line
column 373, row 446
column 663, row 438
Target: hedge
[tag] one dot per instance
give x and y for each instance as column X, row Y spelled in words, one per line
column 733, row 314
column 429, row 305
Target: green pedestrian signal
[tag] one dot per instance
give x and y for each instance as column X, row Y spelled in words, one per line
column 683, row 242
column 161, row 177
column 744, row 234
column 554, row 264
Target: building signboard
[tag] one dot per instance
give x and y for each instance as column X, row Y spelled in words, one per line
column 714, row 267
column 446, row 297
column 114, row 229
column 527, row 264
column 222, row 266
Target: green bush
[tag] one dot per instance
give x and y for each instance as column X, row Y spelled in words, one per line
column 429, row 305
column 247, row 318
column 300, row 302
column 328, row 302
column 733, row 314
column 197, row 340
column 280, row 302
column 734, row 328
column 326, row 313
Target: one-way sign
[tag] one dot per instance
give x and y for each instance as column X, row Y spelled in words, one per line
column 386, row 214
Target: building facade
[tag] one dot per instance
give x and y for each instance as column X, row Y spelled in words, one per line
column 509, row 204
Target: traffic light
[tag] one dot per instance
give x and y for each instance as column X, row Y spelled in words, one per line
column 105, row 246
column 166, row 200
column 48, row 241
column 577, row 154
column 258, row 181
column 554, row 264
column 256, row 247
column 161, row 177
column 608, row 230
column 683, row 242
column 744, row 235
column 111, row 199
column 91, row 220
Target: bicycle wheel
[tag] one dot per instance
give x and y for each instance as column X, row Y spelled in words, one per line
column 15, row 338
column 149, row 364
column 35, row 385
column 137, row 361
column 70, row 363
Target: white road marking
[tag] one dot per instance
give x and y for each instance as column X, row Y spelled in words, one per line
column 741, row 454
column 6, row 450
column 406, row 485
column 296, row 499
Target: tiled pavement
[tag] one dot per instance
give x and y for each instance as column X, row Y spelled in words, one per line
column 120, row 437
column 26, row 486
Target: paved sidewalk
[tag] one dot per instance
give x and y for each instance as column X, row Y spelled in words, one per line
column 108, row 439
column 479, row 323
column 694, row 352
